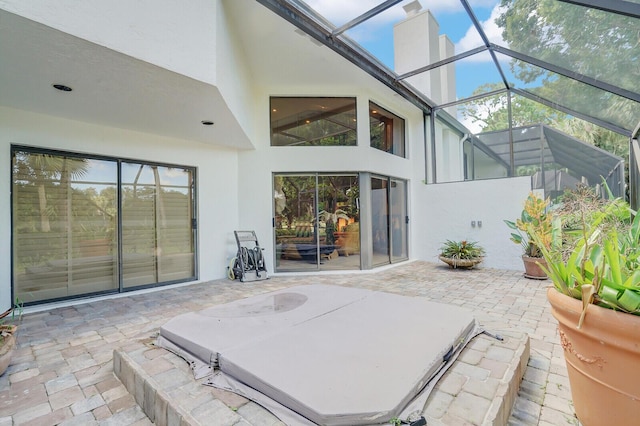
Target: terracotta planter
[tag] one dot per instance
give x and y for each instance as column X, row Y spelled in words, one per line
column 602, row 361
column 7, row 346
column 532, row 268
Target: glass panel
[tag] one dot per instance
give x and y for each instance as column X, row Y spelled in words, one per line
column 64, row 223
column 157, row 236
column 482, row 162
column 386, row 130
column 339, row 221
column 477, row 74
column 380, row 220
column 328, row 240
column 295, row 213
column 399, row 233
column 405, row 37
column 584, row 99
column 473, row 75
column 594, row 43
column 485, row 114
column 313, row 121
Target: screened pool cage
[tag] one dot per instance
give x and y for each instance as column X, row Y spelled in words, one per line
column 554, row 160
column 573, row 60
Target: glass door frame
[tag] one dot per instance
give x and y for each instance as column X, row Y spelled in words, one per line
column 119, row 288
column 390, row 213
column 287, row 245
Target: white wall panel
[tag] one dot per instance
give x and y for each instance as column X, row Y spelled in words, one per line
column 445, row 211
column 179, row 36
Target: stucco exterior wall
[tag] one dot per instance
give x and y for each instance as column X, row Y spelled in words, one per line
column 217, row 170
column 233, row 73
column 256, row 167
column 181, row 39
column 445, row 211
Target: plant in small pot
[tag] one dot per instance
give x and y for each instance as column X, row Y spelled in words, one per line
column 535, row 217
column 595, row 269
column 8, row 329
column 461, row 254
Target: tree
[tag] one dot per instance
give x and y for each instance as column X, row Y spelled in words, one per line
column 585, row 40
column 591, row 42
column 491, row 112
column 594, row 43
column 47, row 171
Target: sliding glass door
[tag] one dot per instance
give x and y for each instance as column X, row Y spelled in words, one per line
column 380, row 220
column 388, row 220
column 316, row 222
column 399, row 218
column 69, row 211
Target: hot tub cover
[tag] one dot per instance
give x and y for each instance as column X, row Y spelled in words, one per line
column 324, row 354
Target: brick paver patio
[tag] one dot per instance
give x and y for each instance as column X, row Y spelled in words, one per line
column 62, row 371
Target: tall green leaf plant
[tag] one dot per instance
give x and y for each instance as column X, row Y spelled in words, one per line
column 602, row 266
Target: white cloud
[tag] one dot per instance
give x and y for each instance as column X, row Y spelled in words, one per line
column 339, row 12
column 472, row 38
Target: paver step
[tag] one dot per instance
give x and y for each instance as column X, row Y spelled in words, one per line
column 480, row 388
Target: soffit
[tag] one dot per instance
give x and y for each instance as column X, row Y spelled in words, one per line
column 109, row 88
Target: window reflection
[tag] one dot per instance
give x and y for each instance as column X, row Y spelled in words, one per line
column 317, row 222
column 386, row 130
column 313, row 121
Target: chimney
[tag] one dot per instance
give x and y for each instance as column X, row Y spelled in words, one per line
column 412, row 9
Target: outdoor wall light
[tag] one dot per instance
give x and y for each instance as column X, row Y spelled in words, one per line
column 62, row 87
column 207, row 123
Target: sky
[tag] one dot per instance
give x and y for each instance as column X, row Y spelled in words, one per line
column 376, row 34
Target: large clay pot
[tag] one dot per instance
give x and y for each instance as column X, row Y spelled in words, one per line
column 602, row 361
column 7, row 344
column 532, row 268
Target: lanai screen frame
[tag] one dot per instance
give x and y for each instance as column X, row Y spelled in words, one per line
column 317, row 27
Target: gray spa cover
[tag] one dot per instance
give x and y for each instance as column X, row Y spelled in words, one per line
column 325, row 354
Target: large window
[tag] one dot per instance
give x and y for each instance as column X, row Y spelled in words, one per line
column 84, row 225
column 386, row 130
column 313, row 121
column 317, row 222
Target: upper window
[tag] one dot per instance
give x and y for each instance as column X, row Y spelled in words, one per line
column 313, row 121
column 386, row 130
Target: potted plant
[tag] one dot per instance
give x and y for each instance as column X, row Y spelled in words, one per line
column 595, row 269
column 461, row 254
column 535, row 217
column 8, row 329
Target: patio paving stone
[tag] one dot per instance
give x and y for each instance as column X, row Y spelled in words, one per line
column 63, row 349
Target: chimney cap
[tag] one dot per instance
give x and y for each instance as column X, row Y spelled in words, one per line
column 412, row 9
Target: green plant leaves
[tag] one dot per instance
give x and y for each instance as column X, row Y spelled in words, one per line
column 462, row 250
column 601, row 261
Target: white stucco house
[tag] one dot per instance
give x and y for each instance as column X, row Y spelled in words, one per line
column 176, row 123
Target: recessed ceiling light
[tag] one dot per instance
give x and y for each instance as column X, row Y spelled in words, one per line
column 62, row 87
column 207, row 122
